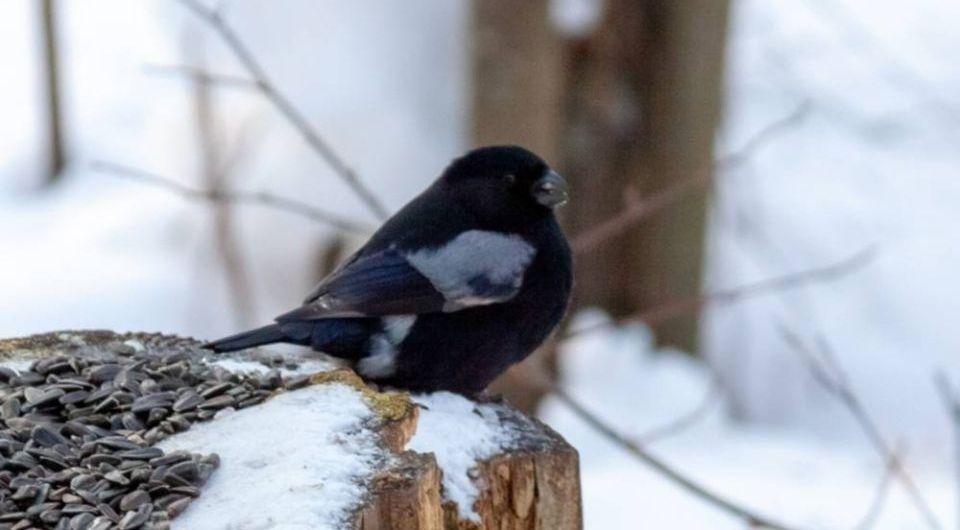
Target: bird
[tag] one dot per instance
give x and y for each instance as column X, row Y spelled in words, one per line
column 467, row 279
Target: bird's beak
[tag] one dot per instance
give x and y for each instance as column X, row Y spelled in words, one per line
column 550, row 190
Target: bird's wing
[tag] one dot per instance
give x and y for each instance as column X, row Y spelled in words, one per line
column 476, row 268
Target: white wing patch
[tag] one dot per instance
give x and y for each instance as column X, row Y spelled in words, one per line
column 382, row 361
column 496, row 258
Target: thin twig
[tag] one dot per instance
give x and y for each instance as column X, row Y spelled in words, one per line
column 752, row 518
column 264, row 199
column 691, row 305
column 951, row 401
column 764, row 136
column 949, row 396
column 826, row 370
column 240, row 50
column 879, row 501
column 711, row 398
column 216, row 168
column 538, row 375
column 200, row 75
column 638, row 210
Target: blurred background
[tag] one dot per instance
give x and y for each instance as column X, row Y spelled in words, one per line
column 764, row 211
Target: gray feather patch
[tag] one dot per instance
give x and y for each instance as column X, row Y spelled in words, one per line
column 476, row 268
column 384, row 347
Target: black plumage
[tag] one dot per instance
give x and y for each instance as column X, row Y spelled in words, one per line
column 467, row 279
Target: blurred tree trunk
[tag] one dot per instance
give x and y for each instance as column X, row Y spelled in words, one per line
column 625, row 110
column 642, row 110
column 51, row 83
column 518, row 77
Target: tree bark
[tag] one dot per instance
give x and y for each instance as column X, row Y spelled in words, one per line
column 517, row 75
column 537, row 488
column 407, row 497
column 684, row 101
column 624, row 111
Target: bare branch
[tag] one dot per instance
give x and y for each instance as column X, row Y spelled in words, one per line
column 826, row 370
column 538, row 374
column 638, row 210
column 879, row 498
column 284, row 106
column 264, row 199
column 216, row 174
column 949, row 396
column 951, row 401
column 894, row 464
column 197, row 74
column 636, row 450
column 691, row 305
column 763, row 137
column 49, row 17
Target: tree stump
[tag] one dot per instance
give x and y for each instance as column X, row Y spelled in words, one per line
column 117, row 430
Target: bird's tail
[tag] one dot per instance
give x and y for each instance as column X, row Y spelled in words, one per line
column 248, row 339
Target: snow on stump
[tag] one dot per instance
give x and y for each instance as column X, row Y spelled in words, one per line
column 100, row 430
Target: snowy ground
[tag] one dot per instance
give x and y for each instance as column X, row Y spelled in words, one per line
column 792, row 475
column 874, row 162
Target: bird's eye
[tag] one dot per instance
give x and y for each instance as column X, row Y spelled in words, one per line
column 510, row 178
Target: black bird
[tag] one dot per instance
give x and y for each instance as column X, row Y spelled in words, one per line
column 467, row 279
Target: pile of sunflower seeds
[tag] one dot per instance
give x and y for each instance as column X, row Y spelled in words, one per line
column 77, row 434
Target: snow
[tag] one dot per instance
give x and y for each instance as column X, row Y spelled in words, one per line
column 298, row 461
column 244, row 366
column 873, row 162
column 789, row 474
column 17, row 365
column 576, row 18
column 459, row 432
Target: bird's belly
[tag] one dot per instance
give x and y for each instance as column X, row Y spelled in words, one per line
column 460, row 352
column 465, row 351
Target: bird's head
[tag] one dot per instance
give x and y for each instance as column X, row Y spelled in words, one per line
column 505, row 184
